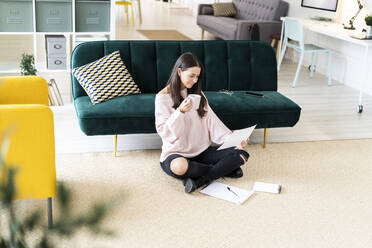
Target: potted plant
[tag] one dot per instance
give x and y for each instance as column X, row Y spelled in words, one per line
column 368, row 20
column 28, row 65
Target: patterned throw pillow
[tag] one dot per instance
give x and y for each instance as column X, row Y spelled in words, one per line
column 224, row 9
column 106, row 78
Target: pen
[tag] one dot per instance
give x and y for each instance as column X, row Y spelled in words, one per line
column 228, row 188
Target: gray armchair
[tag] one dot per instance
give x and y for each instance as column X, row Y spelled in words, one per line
column 265, row 13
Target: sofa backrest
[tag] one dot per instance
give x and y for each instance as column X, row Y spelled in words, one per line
column 230, row 65
column 261, row 10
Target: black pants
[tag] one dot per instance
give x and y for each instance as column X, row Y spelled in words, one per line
column 222, row 162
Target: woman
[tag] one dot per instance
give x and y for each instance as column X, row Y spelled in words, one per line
column 188, row 126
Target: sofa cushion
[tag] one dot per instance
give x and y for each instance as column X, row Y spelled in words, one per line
column 121, row 115
column 106, row 78
column 135, row 113
column 224, row 9
column 239, row 110
column 223, row 27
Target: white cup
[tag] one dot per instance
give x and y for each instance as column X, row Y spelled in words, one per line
column 195, row 99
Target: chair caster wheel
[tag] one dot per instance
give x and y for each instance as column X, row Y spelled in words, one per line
column 360, row 109
column 309, row 68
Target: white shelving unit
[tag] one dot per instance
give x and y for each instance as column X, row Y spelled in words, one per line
column 38, row 42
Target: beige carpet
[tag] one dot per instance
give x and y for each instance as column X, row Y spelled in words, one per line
column 325, row 202
column 162, row 34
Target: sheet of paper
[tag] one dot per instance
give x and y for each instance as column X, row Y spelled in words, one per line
column 220, row 190
column 237, row 136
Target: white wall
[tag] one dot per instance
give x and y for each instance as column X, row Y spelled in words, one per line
column 347, row 60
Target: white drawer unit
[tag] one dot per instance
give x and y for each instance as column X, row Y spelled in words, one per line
column 56, row 62
column 55, row 44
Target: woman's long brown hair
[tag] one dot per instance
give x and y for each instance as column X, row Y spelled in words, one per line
column 184, row 62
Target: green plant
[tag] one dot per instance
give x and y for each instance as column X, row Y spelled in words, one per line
column 28, row 64
column 30, row 231
column 368, row 20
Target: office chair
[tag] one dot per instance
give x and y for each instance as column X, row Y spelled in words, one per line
column 293, row 30
column 24, row 105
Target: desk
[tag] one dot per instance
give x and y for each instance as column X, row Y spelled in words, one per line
column 336, row 31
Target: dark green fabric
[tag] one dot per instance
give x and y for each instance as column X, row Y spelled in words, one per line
column 135, row 113
column 216, row 61
column 167, row 54
column 233, row 65
column 121, row 115
column 230, row 65
column 272, row 110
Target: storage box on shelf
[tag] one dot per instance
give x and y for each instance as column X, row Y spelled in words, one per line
column 53, row 15
column 16, row 16
column 39, row 18
column 92, row 16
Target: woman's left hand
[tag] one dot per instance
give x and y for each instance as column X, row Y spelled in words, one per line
column 243, row 144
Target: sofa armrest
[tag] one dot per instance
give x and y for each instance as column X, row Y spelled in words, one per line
column 266, row 29
column 205, row 9
column 23, row 90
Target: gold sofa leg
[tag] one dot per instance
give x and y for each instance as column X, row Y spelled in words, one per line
column 202, row 34
column 265, row 138
column 115, row 144
column 277, row 51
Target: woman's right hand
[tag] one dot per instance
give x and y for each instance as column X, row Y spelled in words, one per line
column 185, row 105
column 243, row 144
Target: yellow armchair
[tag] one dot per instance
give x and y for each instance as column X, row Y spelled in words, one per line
column 24, row 104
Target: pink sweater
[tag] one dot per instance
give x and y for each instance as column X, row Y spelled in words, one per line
column 186, row 133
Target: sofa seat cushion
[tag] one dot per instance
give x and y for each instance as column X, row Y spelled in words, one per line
column 121, row 115
column 240, row 111
column 135, row 113
column 224, row 27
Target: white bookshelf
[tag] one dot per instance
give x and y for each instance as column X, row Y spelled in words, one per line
column 34, row 42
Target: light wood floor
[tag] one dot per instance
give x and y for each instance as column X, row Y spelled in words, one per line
column 328, row 113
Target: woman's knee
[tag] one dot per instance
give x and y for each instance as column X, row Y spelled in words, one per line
column 179, row 166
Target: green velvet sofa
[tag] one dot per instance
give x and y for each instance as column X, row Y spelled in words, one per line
column 231, row 68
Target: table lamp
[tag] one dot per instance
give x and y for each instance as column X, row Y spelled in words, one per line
column 351, row 21
column 368, row 4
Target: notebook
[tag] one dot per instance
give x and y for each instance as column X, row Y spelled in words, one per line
column 227, row 192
